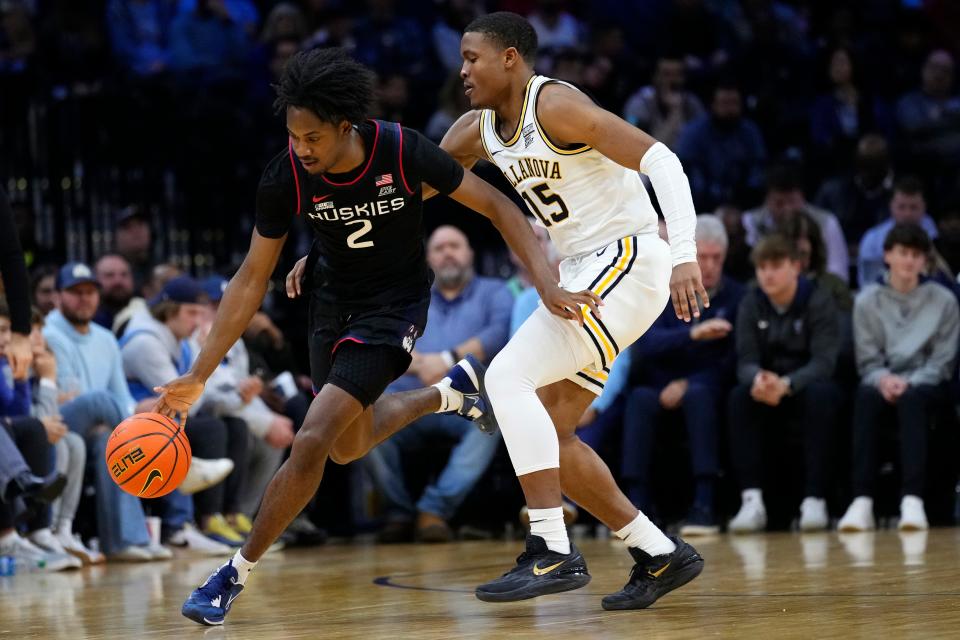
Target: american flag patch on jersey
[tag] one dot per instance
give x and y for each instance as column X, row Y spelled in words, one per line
column 386, row 178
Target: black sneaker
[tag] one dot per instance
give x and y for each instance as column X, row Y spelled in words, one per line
column 539, row 572
column 653, row 577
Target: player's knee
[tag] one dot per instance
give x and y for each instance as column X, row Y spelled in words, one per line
column 315, row 438
column 503, row 378
column 345, row 453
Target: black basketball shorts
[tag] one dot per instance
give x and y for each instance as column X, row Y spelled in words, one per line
column 363, row 352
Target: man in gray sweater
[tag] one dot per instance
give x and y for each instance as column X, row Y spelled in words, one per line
column 905, row 333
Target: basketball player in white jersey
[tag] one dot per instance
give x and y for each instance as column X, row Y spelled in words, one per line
column 576, row 166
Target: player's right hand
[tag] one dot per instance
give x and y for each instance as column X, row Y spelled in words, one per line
column 295, row 277
column 177, row 396
column 568, row 305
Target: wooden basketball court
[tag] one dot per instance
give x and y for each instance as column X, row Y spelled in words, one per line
column 779, row 585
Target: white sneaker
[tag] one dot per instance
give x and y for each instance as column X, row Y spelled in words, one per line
column 813, row 514
column 32, row 557
column 190, row 538
column 752, row 516
column 46, row 541
column 912, row 515
column 73, row 545
column 132, row 553
column 204, row 474
column 159, row 552
column 859, row 516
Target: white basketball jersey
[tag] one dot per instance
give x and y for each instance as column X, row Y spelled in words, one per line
column 584, row 199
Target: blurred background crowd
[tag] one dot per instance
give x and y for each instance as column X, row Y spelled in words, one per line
column 822, row 144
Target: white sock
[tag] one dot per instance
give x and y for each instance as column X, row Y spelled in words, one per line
column 65, row 526
column 9, row 536
column 749, row 495
column 450, row 399
column 643, row 534
column 548, row 524
column 243, row 567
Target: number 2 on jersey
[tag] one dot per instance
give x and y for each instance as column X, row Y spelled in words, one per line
column 548, row 199
column 365, row 228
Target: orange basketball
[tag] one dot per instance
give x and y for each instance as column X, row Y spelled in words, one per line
column 148, row 455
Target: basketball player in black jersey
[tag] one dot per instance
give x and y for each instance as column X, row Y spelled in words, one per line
column 359, row 183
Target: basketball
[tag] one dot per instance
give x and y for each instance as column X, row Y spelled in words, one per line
column 148, row 455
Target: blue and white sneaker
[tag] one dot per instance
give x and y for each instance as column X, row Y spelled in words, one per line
column 210, row 603
column 466, row 377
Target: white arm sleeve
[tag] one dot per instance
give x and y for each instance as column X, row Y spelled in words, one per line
column 673, row 192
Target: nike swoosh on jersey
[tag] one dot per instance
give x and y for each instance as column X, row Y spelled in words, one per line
column 316, row 199
column 537, row 571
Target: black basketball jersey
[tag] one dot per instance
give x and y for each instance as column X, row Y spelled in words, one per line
column 369, row 247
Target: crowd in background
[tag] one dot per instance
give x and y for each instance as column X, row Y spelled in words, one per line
column 822, row 138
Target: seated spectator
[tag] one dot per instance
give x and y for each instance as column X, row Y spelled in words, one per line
column 90, row 372
column 35, row 442
column 133, row 240
column 722, row 152
column 785, row 200
column 469, row 314
column 452, row 18
column 664, row 107
column 139, row 32
column 861, row 199
column 285, row 22
column 390, row 43
column 842, row 115
column 907, row 206
column 157, row 277
column 235, row 391
column 556, row 28
column 737, row 265
column 930, row 116
column 71, row 453
column 208, row 44
column 787, row 343
column 802, row 229
column 678, row 366
column 155, row 350
column 44, row 292
column 116, row 287
column 906, row 331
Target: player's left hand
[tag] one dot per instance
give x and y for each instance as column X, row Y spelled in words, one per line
column 567, row 305
column 295, row 278
column 177, row 396
column 686, row 284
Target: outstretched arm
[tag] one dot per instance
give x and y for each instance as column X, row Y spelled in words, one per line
column 240, row 301
column 570, row 117
column 486, row 200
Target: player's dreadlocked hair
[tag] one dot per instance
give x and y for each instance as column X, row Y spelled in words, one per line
column 507, row 29
column 328, row 82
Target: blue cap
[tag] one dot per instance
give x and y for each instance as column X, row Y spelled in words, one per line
column 74, row 273
column 215, row 286
column 182, row 289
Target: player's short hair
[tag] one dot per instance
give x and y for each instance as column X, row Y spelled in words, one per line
column 329, row 83
column 911, row 236
column 710, row 229
column 506, row 29
column 773, row 248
